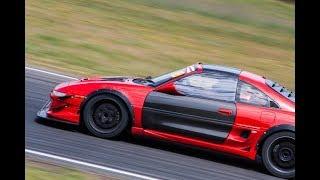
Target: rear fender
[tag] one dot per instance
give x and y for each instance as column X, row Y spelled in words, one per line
column 269, row 132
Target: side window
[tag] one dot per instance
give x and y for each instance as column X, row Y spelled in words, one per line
column 247, row 93
column 208, row 85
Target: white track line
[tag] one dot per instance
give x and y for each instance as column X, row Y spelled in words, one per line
column 89, row 164
column 51, row 73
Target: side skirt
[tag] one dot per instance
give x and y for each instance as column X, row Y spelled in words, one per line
column 194, row 142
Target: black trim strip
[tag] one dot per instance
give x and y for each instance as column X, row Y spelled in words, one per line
column 189, row 116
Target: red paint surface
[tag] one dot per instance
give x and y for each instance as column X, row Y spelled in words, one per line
column 257, row 120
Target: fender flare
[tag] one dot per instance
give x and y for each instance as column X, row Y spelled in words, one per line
column 272, row 130
column 112, row 92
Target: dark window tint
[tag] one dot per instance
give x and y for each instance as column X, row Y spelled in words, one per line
column 249, row 94
column 209, row 85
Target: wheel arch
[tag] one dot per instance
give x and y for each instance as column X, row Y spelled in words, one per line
column 271, row 131
column 115, row 93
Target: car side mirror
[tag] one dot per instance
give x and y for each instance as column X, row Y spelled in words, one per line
column 167, row 88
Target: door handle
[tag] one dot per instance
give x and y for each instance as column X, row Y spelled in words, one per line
column 226, row 112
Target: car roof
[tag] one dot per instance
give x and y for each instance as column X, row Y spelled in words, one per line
column 213, row 67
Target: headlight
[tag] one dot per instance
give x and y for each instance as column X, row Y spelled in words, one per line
column 58, row 94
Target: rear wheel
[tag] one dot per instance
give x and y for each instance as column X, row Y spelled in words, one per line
column 278, row 154
column 105, row 116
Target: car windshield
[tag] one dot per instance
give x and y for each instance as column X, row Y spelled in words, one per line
column 167, row 76
column 281, row 90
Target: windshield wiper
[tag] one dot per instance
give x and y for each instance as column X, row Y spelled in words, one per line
column 149, row 80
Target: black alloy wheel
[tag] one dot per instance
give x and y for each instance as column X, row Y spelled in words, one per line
column 105, row 116
column 278, row 154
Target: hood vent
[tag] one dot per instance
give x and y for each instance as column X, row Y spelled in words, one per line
column 110, row 78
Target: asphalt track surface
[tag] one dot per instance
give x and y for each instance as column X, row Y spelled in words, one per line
column 146, row 157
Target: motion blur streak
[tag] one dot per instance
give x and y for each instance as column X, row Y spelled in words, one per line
column 88, row 164
column 151, row 37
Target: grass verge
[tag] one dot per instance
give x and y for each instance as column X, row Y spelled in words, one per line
column 36, row 170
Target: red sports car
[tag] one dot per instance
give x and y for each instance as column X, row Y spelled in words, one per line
column 209, row 106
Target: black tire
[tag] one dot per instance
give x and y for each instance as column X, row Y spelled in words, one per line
column 105, row 116
column 278, row 154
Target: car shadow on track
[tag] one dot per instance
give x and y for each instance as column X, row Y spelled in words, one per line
column 57, row 124
column 178, row 148
column 196, row 152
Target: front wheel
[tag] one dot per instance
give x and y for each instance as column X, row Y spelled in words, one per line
column 278, row 154
column 105, row 116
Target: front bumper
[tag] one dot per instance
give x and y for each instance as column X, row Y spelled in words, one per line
column 42, row 114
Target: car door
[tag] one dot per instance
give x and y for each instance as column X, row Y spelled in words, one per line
column 202, row 107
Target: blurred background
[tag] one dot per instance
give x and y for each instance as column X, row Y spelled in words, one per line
column 151, row 37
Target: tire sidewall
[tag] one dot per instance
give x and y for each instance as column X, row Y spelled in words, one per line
column 266, row 159
column 88, row 110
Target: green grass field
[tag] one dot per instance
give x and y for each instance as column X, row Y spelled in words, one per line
column 42, row 171
column 150, row 37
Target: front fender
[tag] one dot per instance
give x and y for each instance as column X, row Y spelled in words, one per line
column 109, row 91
